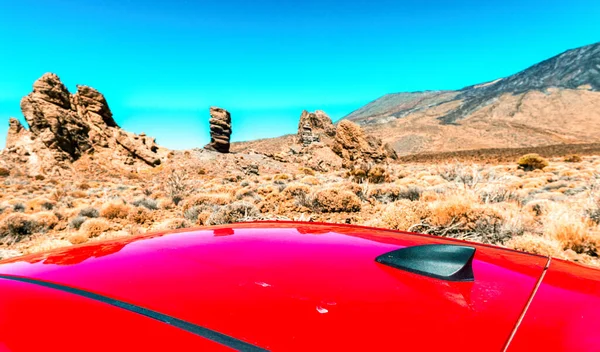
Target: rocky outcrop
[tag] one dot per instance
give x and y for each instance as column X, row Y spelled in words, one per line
column 220, row 130
column 352, row 145
column 64, row 126
column 314, row 126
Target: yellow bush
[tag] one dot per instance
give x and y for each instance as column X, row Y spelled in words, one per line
column 310, row 180
column 115, row 210
column 295, row 190
column 530, row 162
column 281, row 177
column 140, row 215
column 572, row 233
column 403, row 214
column 573, row 158
column 94, row 227
column 536, row 245
column 333, row 200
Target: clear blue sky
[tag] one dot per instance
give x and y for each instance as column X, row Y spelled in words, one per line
column 161, row 64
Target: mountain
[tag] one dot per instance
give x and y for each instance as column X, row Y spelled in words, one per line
column 554, row 101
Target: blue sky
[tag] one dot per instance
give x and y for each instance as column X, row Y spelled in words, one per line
column 161, row 64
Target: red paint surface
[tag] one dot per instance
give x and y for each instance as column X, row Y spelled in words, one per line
column 299, row 287
column 565, row 312
column 34, row 318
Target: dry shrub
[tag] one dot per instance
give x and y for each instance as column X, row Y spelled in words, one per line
column 89, row 212
column 245, row 193
column 58, row 194
column 310, row 180
column 404, row 214
column 115, row 210
column 530, row 162
column 177, row 187
column 231, row 213
column 207, row 199
column 307, row 171
column 536, row 245
column 140, row 215
column 392, row 193
column 281, row 177
column 94, row 227
column 165, row 203
column 572, row 233
column 573, row 158
column 198, row 214
column 147, row 203
column 4, row 172
column 79, row 194
column 173, row 224
column 15, row 227
column 358, row 175
column 77, row 221
column 295, row 190
column 378, row 174
column 46, row 220
column 78, row 238
column 331, row 200
column 40, row 204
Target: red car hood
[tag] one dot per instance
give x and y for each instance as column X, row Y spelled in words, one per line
column 300, row 286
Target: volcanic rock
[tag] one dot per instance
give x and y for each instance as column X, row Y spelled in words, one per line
column 63, row 127
column 352, row 145
column 220, row 130
column 313, row 126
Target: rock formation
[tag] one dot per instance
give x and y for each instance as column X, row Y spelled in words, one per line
column 220, row 130
column 307, row 137
column 314, row 127
column 64, row 126
column 352, row 145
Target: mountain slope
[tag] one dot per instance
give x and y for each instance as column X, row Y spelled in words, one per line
column 573, row 69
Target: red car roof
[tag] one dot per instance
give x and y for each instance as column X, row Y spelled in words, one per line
column 276, row 286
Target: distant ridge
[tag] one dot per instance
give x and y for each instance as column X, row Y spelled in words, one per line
column 573, row 69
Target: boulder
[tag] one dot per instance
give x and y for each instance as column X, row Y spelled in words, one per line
column 220, row 130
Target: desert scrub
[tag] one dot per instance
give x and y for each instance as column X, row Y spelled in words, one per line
column 15, row 227
column 173, row 224
column 537, row 245
column 572, row 232
column 140, row 215
column 4, row 172
column 147, row 203
column 530, row 162
column 77, row 221
column 231, row 213
column 177, row 187
column 89, row 212
column 208, row 199
column 573, row 158
column 294, row 190
column 46, row 220
column 331, row 200
column 115, row 210
column 94, row 227
column 404, row 214
column 378, row 174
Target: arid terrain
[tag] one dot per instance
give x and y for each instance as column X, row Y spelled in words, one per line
column 554, row 211
column 515, row 162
